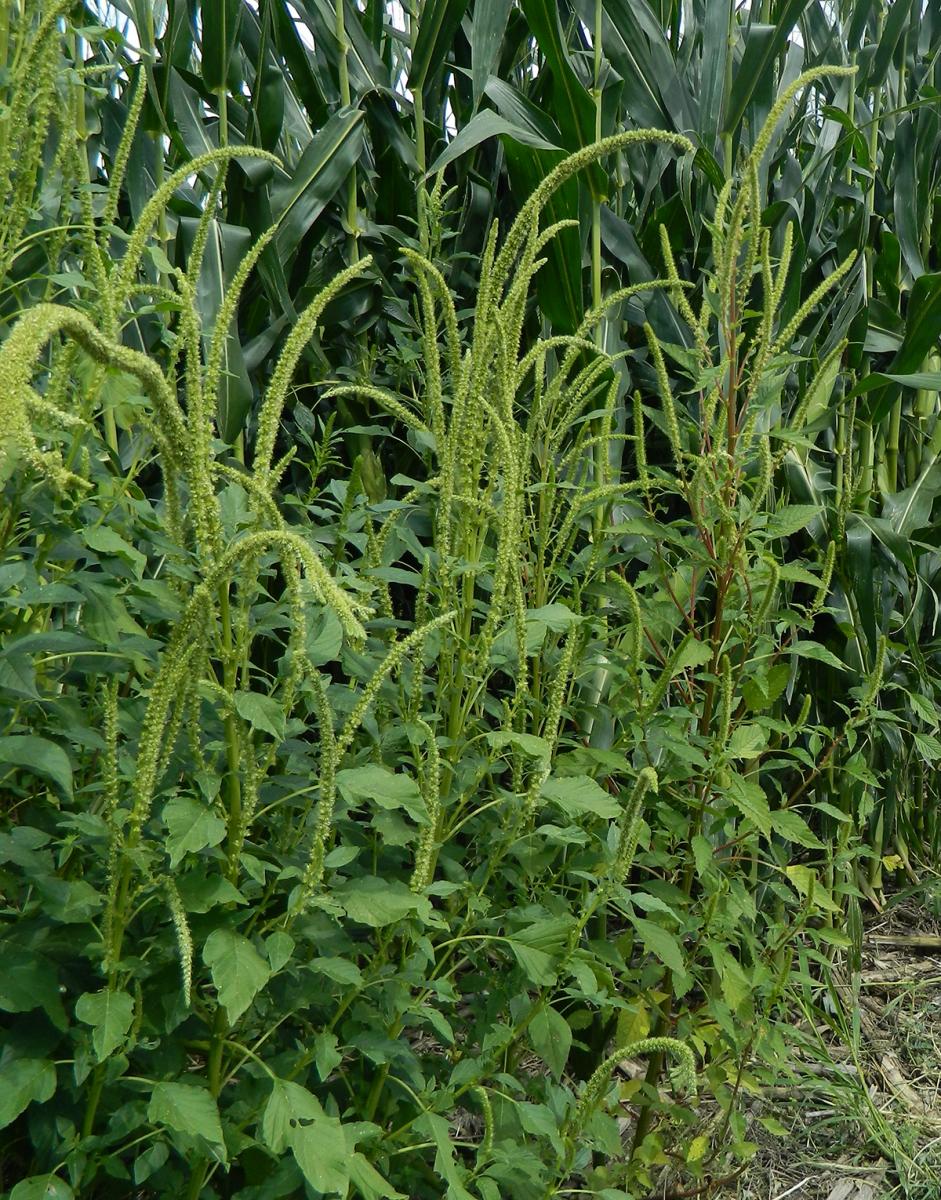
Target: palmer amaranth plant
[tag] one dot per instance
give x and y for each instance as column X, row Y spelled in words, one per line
column 437, row 839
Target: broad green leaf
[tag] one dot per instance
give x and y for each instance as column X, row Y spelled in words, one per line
column 793, row 828
column 558, row 618
column 18, row 675
column 279, row 947
column 532, row 746
column 925, row 709
column 550, row 933
column 790, row 520
column 369, row 1183
column 192, row 826
column 693, row 654
column 28, row 980
column 26, row 847
column 389, row 789
column 261, row 712
column 736, row 987
column 105, row 616
column 751, row 801
column 287, row 1104
column 537, row 965
column 42, row 1187
column 110, row 1013
column 774, row 1127
column 551, row 1038
column 374, row 901
column 324, row 637
column 103, row 540
column 813, row 650
column 929, row 747
column 38, row 756
column 23, row 1080
column 703, row 854
column 697, row 1148
column 186, row 1108
column 660, row 943
column 238, row 970
column 438, row 1022
column 201, row 892
column 808, row 886
column 747, row 741
column 327, row 1056
column 436, row 1127
column 538, row 1119
column 150, row 1161
column 319, row 1146
column 577, row 795
column 340, row 970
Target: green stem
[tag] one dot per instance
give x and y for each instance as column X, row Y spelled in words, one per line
column 91, row 1104
column 851, row 113
column 222, row 98
column 866, row 462
column 149, row 53
column 892, row 446
column 839, row 450
column 214, row 1070
column 418, row 106
column 232, row 755
column 6, row 11
column 726, row 96
column 654, row 1067
column 352, row 211
column 873, row 151
column 601, row 448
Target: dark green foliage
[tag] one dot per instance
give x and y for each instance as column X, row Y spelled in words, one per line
column 432, row 675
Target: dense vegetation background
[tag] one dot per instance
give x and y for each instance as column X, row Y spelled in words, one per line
column 468, row 583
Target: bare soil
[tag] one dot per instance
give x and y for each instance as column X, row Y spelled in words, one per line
column 863, row 1113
